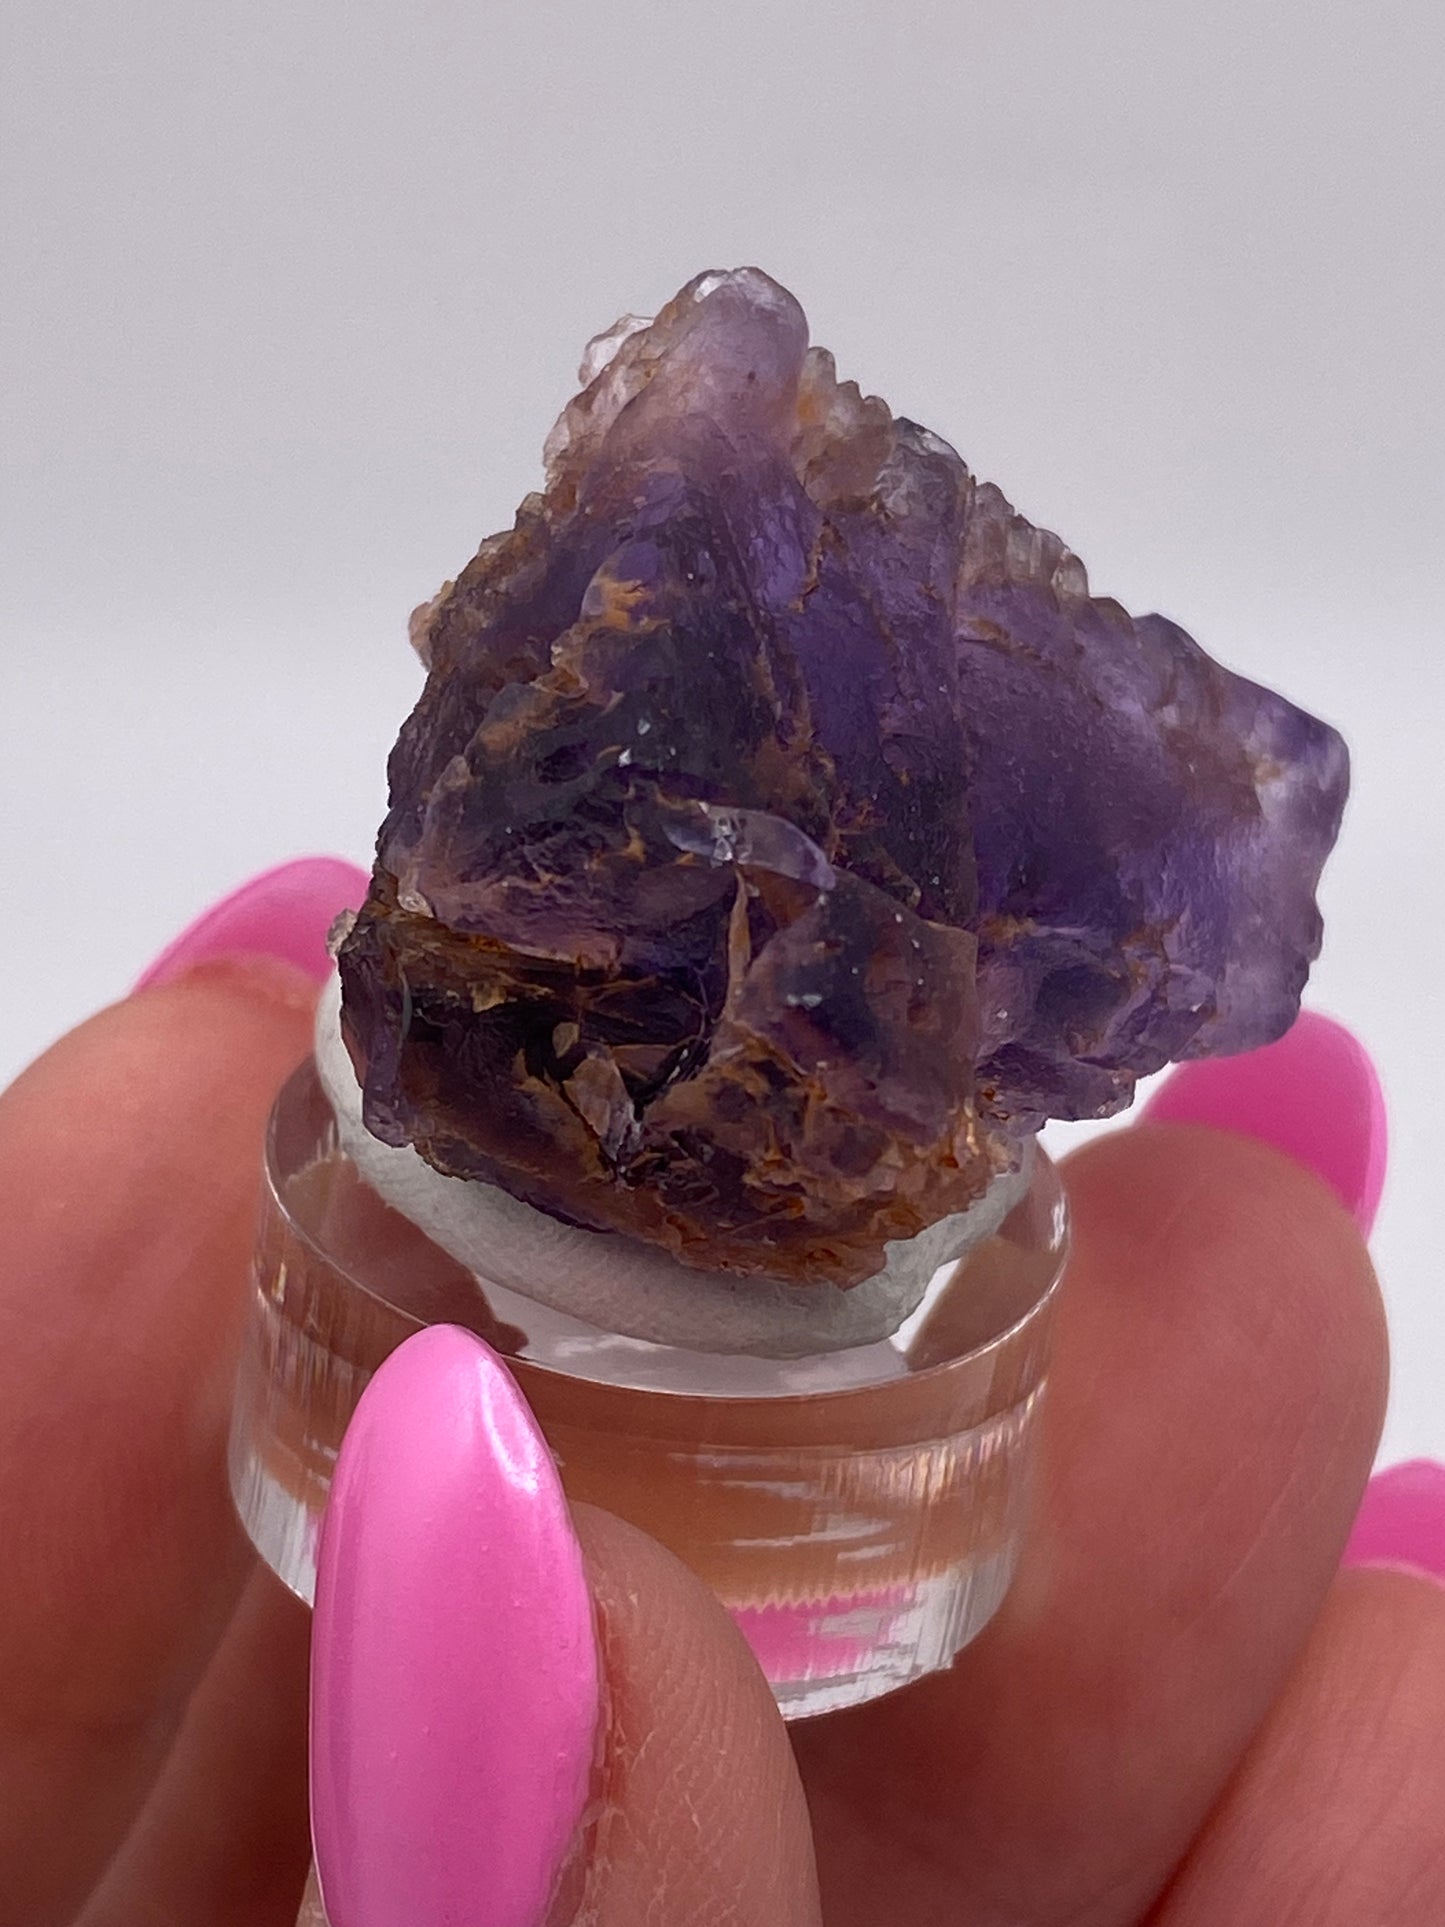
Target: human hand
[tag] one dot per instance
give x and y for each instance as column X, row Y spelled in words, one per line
column 1180, row 1716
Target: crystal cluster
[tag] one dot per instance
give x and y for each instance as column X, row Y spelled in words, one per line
column 783, row 830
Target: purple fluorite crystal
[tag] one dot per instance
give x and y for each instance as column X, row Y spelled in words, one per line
column 783, row 830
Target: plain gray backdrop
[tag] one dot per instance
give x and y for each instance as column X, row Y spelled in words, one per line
column 293, row 291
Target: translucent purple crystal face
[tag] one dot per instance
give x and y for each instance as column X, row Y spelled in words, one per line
column 784, row 830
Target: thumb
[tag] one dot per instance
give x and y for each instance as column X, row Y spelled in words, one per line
column 522, row 1716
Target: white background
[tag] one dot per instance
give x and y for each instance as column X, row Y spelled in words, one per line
column 292, row 293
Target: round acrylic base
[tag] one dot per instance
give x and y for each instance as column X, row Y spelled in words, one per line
column 858, row 1512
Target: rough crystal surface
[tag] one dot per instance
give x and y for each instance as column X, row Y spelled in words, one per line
column 783, row 829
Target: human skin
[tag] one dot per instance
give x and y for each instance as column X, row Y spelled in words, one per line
column 1183, row 1714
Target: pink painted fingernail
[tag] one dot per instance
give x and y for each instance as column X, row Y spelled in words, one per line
column 1314, row 1095
column 454, row 1692
column 1401, row 1521
column 283, row 913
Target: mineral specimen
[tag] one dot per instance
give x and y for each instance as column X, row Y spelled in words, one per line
column 783, row 830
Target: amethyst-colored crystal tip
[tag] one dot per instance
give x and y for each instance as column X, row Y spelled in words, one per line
column 784, row 830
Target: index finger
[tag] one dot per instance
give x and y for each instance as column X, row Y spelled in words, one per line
column 1214, row 1407
column 129, row 1177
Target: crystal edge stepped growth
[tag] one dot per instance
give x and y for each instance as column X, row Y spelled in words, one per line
column 784, row 832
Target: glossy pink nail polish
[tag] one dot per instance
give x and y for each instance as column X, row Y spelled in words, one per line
column 1401, row 1521
column 1314, row 1095
column 454, row 1663
column 283, row 913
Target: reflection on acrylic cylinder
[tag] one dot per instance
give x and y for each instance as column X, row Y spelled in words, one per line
column 858, row 1513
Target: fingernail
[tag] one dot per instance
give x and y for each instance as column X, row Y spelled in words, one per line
column 283, row 913
column 1315, row 1095
column 454, row 1695
column 1401, row 1521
